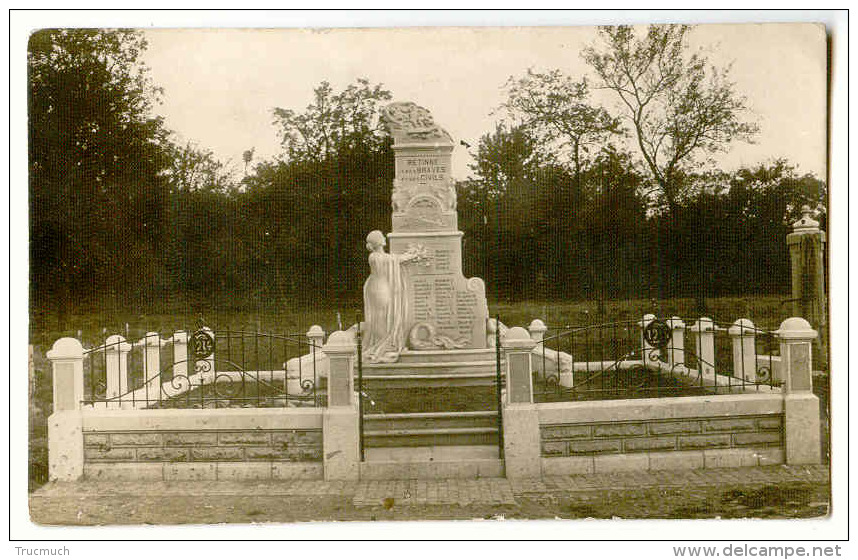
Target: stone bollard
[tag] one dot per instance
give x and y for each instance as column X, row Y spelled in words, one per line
column 537, row 330
column 116, row 365
column 180, row 354
column 341, row 435
column 65, row 425
column 676, row 350
column 704, row 335
column 743, row 334
column 646, row 347
column 801, row 406
column 520, row 415
column 316, row 336
column 152, row 366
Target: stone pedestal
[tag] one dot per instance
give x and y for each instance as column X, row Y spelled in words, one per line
column 445, row 309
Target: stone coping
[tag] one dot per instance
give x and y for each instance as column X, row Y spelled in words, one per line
column 659, row 408
column 203, row 419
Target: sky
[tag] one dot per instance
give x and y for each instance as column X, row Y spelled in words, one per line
column 222, row 84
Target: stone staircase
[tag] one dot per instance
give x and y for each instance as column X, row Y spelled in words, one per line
column 432, row 414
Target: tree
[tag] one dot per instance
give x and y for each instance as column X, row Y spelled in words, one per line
column 334, row 124
column 678, row 104
column 96, row 157
column 193, row 168
column 554, row 109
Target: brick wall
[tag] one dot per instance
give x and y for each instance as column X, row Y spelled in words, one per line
column 202, row 446
column 686, row 434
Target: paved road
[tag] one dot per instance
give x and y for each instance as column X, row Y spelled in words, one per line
column 778, row 491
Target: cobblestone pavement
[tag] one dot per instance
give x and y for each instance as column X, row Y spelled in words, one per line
column 776, row 491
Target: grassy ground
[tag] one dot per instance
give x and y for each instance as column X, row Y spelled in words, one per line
column 92, row 328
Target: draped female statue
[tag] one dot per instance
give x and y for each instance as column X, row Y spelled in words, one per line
column 385, row 297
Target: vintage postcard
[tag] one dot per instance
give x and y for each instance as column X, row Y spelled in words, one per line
column 281, row 275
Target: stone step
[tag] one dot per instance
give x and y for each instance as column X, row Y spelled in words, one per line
column 444, row 374
column 421, row 368
column 439, row 356
column 431, row 437
column 430, row 420
column 409, row 463
column 380, row 398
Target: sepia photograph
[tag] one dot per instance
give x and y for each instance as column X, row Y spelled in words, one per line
column 298, row 274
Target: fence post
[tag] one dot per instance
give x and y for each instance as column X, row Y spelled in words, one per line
column 152, row 365
column 65, row 425
column 704, row 336
column 801, row 406
column 341, row 434
column 116, row 365
column 676, row 351
column 646, row 348
column 520, row 415
column 180, row 354
column 316, row 336
column 537, row 331
column 742, row 332
column 806, row 248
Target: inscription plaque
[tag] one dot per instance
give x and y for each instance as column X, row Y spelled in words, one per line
column 446, row 310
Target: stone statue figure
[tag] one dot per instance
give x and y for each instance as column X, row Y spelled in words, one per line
column 385, row 300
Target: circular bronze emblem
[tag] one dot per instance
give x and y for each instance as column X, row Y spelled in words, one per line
column 203, row 345
column 656, row 333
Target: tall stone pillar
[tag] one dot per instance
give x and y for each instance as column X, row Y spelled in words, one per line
column 806, row 248
column 445, row 310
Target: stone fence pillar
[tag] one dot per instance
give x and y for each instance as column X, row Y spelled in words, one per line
column 520, row 416
column 152, row 343
column 801, row 406
column 743, row 334
column 704, row 335
column 116, row 365
column 806, row 248
column 537, row 330
column 341, row 435
column 65, row 426
column 676, row 346
column 316, row 336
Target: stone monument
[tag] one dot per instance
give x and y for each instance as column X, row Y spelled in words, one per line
column 442, row 310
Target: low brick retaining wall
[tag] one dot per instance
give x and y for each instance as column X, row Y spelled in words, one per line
column 654, row 434
column 203, row 444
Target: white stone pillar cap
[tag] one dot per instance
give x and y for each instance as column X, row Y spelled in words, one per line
column 806, row 224
column 705, row 324
column 152, row 338
column 517, row 338
column 796, row 328
column 340, row 342
column 315, row 332
column 676, row 323
column 742, row 327
column 66, row 349
column 537, row 326
column 116, row 343
column 180, row 336
column 647, row 319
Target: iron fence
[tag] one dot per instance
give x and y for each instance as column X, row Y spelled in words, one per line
column 654, row 357
column 205, row 368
